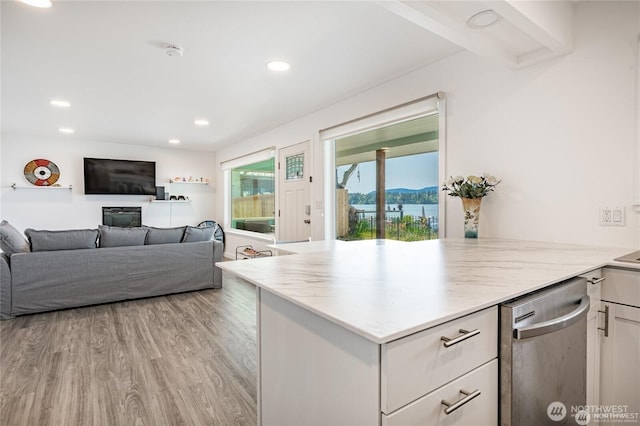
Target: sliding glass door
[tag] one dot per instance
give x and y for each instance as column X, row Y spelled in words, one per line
column 387, row 181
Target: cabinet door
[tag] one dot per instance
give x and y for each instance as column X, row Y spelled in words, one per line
column 620, row 368
column 312, row 371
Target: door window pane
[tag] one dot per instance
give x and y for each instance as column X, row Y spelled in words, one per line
column 295, row 167
column 253, row 197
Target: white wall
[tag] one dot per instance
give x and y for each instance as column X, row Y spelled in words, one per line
column 63, row 209
column 561, row 134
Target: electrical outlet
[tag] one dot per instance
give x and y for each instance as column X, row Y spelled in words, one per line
column 612, row 216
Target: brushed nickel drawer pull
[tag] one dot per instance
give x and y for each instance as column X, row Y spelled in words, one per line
column 465, row 335
column 596, row 280
column 453, row 406
column 606, row 321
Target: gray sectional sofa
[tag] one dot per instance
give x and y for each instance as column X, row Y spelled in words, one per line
column 64, row 269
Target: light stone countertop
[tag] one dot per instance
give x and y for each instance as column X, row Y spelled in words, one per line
column 326, row 245
column 387, row 291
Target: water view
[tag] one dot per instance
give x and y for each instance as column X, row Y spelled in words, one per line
column 415, row 210
column 411, row 198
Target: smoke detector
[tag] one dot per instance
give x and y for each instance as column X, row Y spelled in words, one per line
column 173, row 50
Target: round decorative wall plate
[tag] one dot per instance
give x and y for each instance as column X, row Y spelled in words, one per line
column 41, row 172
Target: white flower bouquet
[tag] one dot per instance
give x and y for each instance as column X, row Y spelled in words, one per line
column 471, row 186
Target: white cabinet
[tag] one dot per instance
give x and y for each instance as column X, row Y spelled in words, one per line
column 454, row 362
column 315, row 372
column 417, row 364
column 594, row 335
column 312, row 371
column 620, row 359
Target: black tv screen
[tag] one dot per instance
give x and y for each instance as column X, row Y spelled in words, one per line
column 105, row 176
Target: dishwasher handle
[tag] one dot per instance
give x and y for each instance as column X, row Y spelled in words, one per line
column 555, row 324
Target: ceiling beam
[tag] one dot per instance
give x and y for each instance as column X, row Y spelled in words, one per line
column 432, row 19
column 548, row 23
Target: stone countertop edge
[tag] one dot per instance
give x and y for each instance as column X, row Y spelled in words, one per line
column 267, row 273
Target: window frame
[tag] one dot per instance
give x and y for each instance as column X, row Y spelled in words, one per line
column 245, row 160
column 435, row 102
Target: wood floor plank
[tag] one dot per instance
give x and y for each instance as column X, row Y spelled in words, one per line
column 184, row 359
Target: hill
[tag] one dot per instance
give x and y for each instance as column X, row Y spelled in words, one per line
column 426, row 195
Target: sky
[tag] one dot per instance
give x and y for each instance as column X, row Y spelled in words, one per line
column 412, row 172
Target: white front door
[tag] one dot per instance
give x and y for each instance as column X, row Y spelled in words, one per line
column 294, row 212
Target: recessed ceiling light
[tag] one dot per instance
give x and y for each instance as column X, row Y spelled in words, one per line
column 174, row 141
column 484, row 19
column 66, row 130
column 37, row 3
column 278, row 65
column 59, row 103
column 201, row 122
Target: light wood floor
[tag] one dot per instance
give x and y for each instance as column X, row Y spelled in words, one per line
column 185, row 359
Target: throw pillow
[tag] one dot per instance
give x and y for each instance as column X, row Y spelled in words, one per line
column 11, row 240
column 72, row 239
column 164, row 235
column 114, row 236
column 193, row 234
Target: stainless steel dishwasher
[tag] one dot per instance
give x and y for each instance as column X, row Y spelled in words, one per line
column 543, row 351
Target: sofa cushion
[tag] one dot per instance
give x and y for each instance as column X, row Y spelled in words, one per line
column 11, row 240
column 72, row 239
column 164, row 235
column 114, row 236
column 193, row 234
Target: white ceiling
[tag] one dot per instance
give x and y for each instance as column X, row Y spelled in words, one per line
column 107, row 59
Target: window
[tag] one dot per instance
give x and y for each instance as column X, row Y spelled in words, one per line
column 253, row 197
column 398, row 152
column 400, row 160
column 295, row 167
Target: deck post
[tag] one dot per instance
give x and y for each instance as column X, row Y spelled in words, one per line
column 381, row 155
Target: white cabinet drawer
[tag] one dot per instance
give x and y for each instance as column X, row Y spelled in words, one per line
column 622, row 286
column 417, row 364
column 479, row 411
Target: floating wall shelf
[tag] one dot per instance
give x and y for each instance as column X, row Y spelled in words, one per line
column 192, row 183
column 15, row 186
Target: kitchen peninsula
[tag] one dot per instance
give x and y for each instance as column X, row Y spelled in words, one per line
column 337, row 328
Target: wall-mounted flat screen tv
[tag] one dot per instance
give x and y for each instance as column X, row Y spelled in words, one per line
column 105, row 176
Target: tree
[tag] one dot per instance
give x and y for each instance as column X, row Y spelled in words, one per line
column 347, row 174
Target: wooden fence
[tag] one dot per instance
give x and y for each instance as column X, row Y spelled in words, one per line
column 262, row 205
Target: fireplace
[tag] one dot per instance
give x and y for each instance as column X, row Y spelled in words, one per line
column 123, row 217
